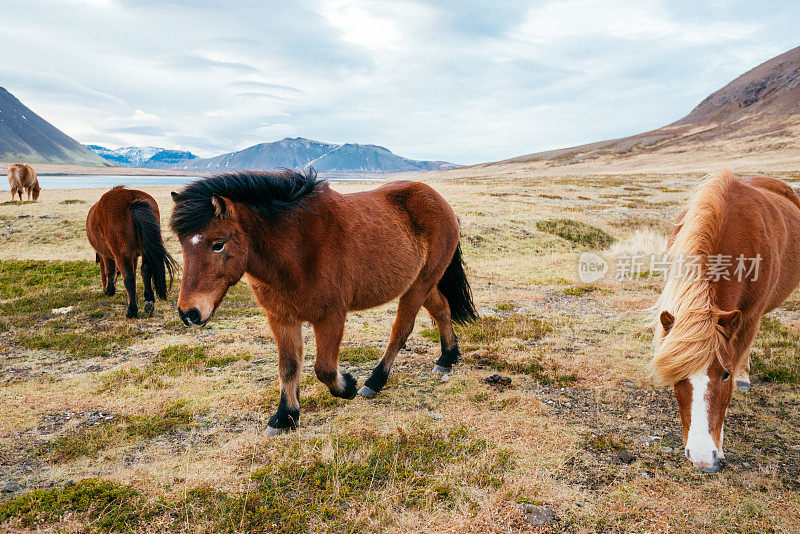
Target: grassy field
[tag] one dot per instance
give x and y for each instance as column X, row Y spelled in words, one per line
column 109, row 424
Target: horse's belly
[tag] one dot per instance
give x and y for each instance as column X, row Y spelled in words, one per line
column 383, row 281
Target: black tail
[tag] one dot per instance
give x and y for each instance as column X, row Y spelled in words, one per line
column 455, row 288
column 155, row 254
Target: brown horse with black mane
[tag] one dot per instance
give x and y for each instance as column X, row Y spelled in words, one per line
column 123, row 226
column 23, row 178
column 311, row 254
column 743, row 237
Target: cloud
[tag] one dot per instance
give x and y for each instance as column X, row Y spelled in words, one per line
column 630, row 20
column 247, row 84
column 151, row 131
column 197, row 63
column 459, row 80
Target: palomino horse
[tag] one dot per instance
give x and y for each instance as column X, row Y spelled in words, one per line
column 122, row 226
column 312, row 254
column 23, row 177
column 707, row 319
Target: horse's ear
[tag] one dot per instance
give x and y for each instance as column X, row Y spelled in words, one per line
column 729, row 323
column 174, row 196
column 219, row 206
column 667, row 320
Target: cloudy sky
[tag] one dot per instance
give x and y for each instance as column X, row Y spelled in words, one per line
column 451, row 79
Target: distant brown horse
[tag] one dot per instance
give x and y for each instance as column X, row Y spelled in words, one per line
column 312, row 254
column 23, row 177
column 707, row 319
column 123, row 226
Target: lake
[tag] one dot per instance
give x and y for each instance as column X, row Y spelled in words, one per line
column 107, row 181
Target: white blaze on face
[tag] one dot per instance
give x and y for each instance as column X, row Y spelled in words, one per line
column 196, row 239
column 700, row 447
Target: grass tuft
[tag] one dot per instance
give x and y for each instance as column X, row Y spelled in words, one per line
column 577, row 232
column 776, row 356
column 360, row 354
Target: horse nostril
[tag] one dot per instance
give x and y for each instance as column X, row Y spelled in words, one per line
column 183, row 318
column 194, row 316
column 713, row 456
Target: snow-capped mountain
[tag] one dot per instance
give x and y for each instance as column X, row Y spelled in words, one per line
column 143, row 156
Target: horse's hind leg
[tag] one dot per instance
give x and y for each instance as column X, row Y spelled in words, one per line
column 109, row 268
column 438, row 307
column 129, row 277
column 147, row 279
column 289, row 338
column 407, row 310
column 328, row 334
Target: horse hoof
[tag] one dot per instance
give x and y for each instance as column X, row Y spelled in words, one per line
column 132, row 314
column 441, row 369
column 271, row 431
column 367, row 393
column 741, row 385
column 149, row 307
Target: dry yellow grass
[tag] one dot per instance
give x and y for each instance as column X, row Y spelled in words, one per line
column 577, row 393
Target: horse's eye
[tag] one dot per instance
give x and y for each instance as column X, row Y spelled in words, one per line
column 218, row 246
column 726, row 375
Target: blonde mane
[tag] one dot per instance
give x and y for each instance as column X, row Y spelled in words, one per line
column 694, row 340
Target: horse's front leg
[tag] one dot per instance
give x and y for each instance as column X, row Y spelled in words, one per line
column 744, row 341
column 328, row 334
column 289, row 337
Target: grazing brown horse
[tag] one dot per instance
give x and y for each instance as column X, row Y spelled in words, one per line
column 123, row 226
column 23, row 177
column 707, row 319
column 311, row 254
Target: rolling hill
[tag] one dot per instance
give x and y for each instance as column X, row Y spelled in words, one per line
column 298, row 152
column 26, row 137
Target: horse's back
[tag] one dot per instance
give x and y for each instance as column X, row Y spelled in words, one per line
column 22, row 175
column 421, row 205
column 110, row 225
column 773, row 185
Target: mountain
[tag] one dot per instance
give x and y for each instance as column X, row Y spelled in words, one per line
column 351, row 157
column 753, row 122
column 26, row 137
column 148, row 157
column 294, row 153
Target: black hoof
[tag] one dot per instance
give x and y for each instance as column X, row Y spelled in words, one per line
column 284, row 420
column 132, row 313
column 110, row 291
column 349, row 391
column 149, row 307
column 448, row 358
column 366, row 392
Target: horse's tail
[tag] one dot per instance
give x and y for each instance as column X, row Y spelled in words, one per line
column 455, row 288
column 155, row 254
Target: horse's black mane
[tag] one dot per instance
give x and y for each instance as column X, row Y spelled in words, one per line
column 268, row 193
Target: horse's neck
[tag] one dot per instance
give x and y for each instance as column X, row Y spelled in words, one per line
column 273, row 255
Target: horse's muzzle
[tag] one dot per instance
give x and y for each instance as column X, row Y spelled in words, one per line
column 191, row 317
column 706, row 465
